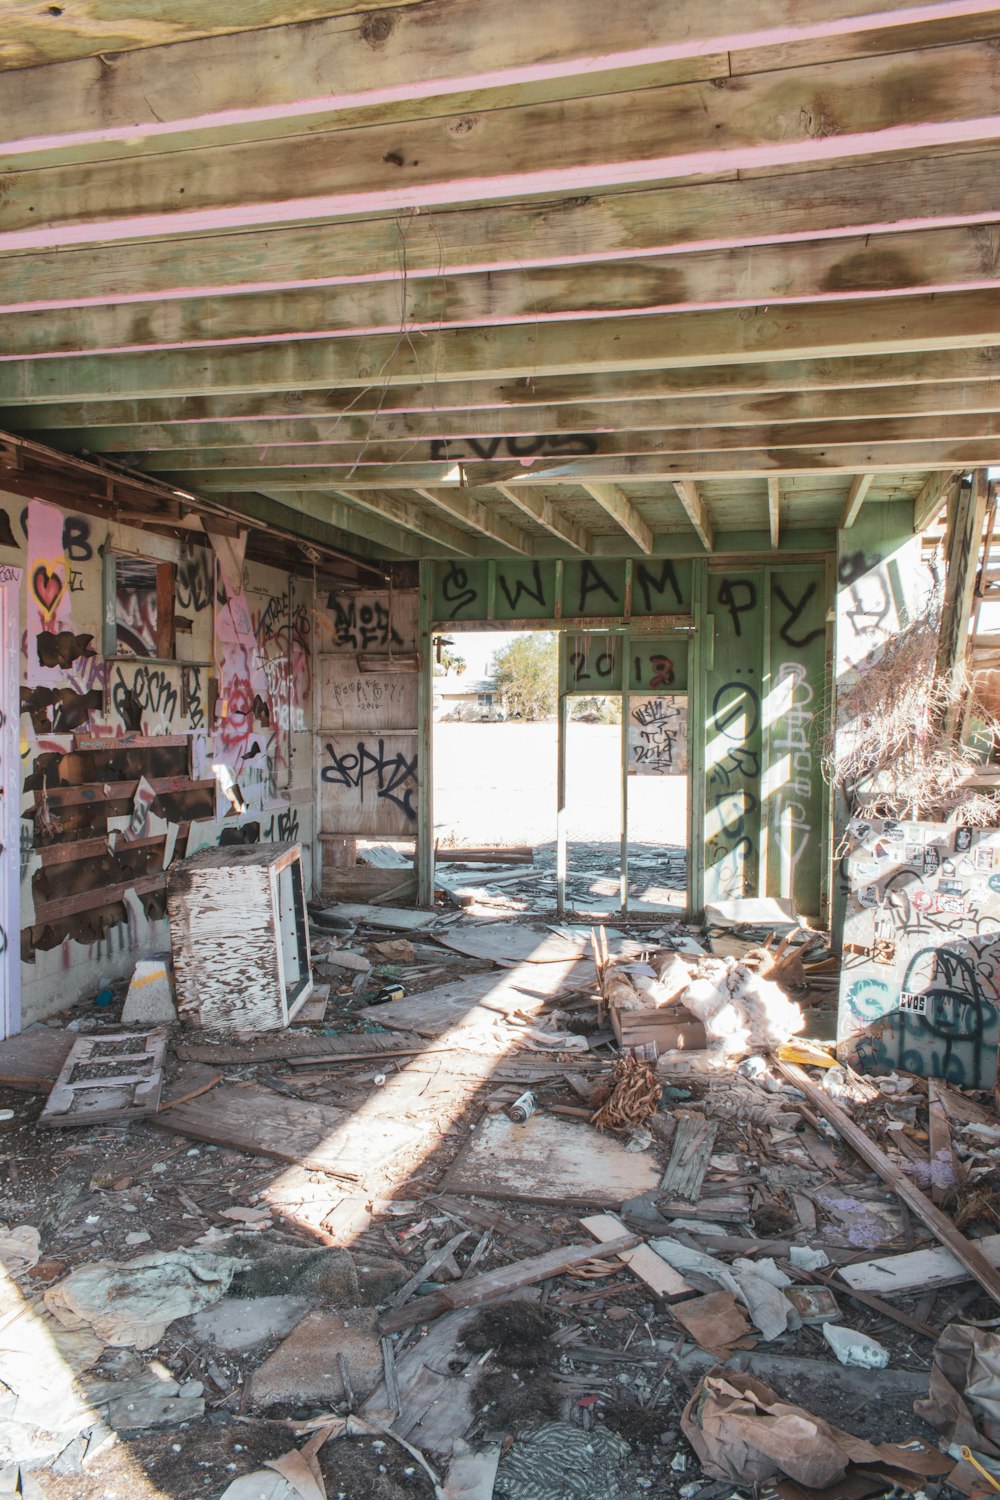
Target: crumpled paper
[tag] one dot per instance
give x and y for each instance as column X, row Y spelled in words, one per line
column 963, row 1399
column 753, row 1283
column 19, row 1248
column 743, row 1432
column 130, row 1304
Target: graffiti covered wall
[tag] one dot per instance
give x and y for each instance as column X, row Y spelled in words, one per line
column 921, row 956
column 129, row 651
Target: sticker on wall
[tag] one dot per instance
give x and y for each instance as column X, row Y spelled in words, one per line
column 657, row 736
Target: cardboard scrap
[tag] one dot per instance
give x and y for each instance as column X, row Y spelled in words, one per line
column 963, row 1400
column 716, row 1322
column 743, row 1432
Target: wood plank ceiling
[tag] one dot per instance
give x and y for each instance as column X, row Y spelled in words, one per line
column 490, row 277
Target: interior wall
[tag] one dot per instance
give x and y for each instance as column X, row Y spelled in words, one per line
column 129, row 762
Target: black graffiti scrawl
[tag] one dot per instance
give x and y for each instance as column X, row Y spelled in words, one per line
column 390, row 777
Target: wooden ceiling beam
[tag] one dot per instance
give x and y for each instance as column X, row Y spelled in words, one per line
column 431, row 50
column 689, row 413
column 408, row 517
column 674, row 441
column 697, row 511
column 348, row 519
column 768, row 120
column 853, row 458
column 474, row 513
column 821, row 331
column 741, row 395
column 619, row 507
column 774, row 508
column 544, row 513
column 860, row 486
column 857, row 199
column 831, row 270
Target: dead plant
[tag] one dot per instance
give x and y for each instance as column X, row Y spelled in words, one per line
column 634, row 1098
column 896, row 751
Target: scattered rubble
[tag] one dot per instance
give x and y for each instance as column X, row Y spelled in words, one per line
column 679, row 1272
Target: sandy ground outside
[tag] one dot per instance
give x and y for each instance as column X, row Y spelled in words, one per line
column 496, row 783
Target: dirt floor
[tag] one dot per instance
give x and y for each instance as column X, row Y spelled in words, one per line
column 496, row 783
column 590, row 1348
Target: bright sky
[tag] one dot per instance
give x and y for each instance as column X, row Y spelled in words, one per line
column 478, row 648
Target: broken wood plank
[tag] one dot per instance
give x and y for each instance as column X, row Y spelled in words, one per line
column 484, row 1218
column 642, row 1261
column 915, row 1270
column 33, row 1060
column 689, row 1158
column 288, row 1045
column 313, row 1136
column 191, row 1081
column 968, row 1254
column 92, row 1088
column 493, row 1284
column 433, row 1263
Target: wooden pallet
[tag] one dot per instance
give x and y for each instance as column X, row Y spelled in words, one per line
column 93, row 1087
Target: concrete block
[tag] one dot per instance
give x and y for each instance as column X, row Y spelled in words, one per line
column 150, row 997
column 304, row 1367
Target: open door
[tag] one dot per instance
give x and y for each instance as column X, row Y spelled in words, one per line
column 10, row 787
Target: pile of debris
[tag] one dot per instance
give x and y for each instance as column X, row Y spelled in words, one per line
column 466, row 1231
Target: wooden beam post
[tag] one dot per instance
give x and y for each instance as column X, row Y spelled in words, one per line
column 928, row 503
column 697, row 512
column 965, row 536
column 860, row 485
column 774, row 507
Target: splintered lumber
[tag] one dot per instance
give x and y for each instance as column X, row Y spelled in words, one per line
column 965, row 1252
column 689, row 1158
column 642, row 1262
column 915, row 1270
column 493, row 1284
column 485, row 854
column 944, row 1168
column 430, row 1265
column 483, row 1218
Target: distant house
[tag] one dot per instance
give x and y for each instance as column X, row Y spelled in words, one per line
column 473, row 699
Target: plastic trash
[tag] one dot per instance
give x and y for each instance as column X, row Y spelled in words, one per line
column 854, row 1348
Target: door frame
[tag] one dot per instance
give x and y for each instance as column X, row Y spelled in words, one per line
column 10, row 803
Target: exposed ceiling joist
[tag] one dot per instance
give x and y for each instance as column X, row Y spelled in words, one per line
column 621, row 510
column 697, row 512
column 474, row 513
column 820, row 331
column 571, row 146
column 410, row 517
column 860, row 486
column 859, row 199
column 544, row 513
column 927, row 261
column 298, row 72
column 576, row 421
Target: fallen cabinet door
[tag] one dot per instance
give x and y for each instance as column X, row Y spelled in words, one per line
column 116, row 1077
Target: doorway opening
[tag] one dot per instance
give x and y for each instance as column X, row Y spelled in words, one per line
column 496, row 698
column 548, row 793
